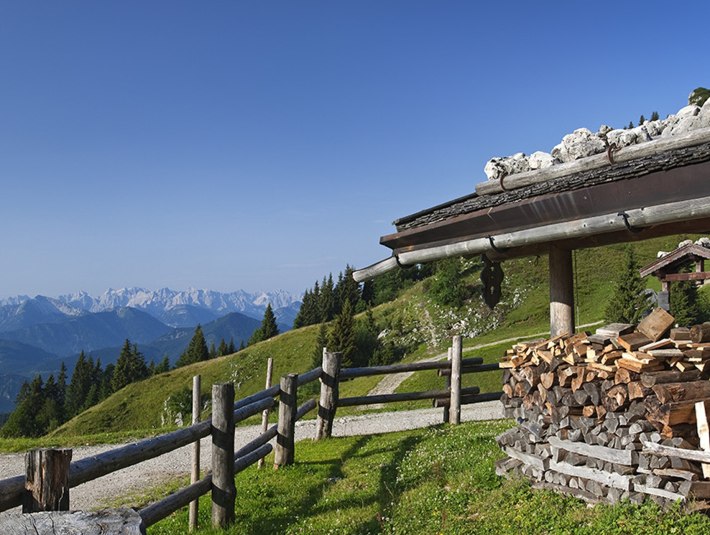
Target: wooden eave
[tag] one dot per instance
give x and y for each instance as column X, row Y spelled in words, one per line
column 637, row 184
column 682, row 255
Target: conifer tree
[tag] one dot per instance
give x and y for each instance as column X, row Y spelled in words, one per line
column 655, row 116
column 163, row 366
column 267, row 329
column 106, row 377
column 642, row 120
column 223, row 349
column 79, row 385
column 342, row 334
column 242, row 346
column 321, row 342
column 631, row 125
column 130, row 367
column 196, row 351
column 684, row 303
column 629, row 301
column 326, row 301
column 24, row 420
column 62, row 390
column 231, row 348
column 212, row 350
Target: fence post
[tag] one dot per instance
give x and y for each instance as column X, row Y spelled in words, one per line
column 46, row 480
column 448, row 385
column 195, row 472
column 284, row 452
column 329, row 393
column 223, row 489
column 265, row 414
column 455, row 406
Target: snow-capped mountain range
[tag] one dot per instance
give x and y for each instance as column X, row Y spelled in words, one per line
column 176, row 308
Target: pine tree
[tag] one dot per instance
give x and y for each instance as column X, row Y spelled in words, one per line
column 655, row 116
column 629, row 301
column 130, row 367
column 196, row 351
column 242, row 346
column 342, row 335
column 684, row 303
column 24, row 419
column 267, row 329
column 448, row 286
column 231, row 348
column 348, row 289
column 326, row 301
column 106, row 378
column 321, row 343
column 642, row 120
column 163, row 366
column 212, row 351
column 631, row 125
column 79, row 385
column 62, row 390
column 223, row 349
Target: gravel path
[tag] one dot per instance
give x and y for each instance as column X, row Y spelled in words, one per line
column 136, row 479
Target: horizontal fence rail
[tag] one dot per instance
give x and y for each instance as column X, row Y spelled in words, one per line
column 402, row 396
column 351, row 373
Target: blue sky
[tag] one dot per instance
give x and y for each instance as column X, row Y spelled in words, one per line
column 262, row 145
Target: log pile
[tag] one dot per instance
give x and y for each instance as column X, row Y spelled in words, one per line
column 594, row 409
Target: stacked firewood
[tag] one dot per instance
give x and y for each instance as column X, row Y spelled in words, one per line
column 594, row 409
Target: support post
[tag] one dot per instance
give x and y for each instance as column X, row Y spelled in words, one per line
column 561, row 291
column 329, row 393
column 448, row 386
column 195, row 472
column 223, row 489
column 455, row 407
column 285, row 440
column 46, row 480
column 265, row 414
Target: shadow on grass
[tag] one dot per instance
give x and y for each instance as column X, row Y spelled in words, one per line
column 278, row 521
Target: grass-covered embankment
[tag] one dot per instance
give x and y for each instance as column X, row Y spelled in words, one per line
column 436, row 480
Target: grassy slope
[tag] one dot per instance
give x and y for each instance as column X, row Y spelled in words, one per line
column 137, row 408
column 436, row 480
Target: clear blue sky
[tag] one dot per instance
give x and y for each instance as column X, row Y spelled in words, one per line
column 261, row 145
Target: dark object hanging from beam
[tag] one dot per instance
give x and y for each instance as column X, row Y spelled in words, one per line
column 491, row 277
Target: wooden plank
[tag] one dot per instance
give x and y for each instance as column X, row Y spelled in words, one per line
column 703, row 433
column 604, row 453
column 530, row 460
column 680, row 334
column 653, row 491
column 660, row 344
column 610, row 479
column 656, row 324
column 110, row 522
column 614, row 330
column 265, row 413
column 632, row 341
column 683, row 453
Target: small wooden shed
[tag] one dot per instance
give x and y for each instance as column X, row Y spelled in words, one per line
column 657, row 188
column 669, row 268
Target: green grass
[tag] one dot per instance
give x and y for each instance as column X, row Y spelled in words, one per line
column 436, row 480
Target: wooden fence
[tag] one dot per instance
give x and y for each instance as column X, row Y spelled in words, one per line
column 40, row 494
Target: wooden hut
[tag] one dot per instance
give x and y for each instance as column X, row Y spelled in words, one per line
column 657, row 188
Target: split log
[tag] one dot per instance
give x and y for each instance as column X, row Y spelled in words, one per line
column 656, row 324
column 672, row 392
column 700, row 333
column 650, row 379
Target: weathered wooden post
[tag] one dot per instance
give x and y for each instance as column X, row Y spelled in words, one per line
column 329, row 392
column 285, row 440
column 46, row 480
column 561, row 291
column 223, row 489
column 455, row 406
column 448, row 386
column 265, row 414
column 195, row 472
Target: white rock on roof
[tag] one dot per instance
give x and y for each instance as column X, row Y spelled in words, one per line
column 583, row 143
